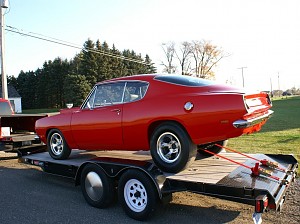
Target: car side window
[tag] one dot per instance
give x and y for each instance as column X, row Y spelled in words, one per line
column 135, row 91
column 109, row 94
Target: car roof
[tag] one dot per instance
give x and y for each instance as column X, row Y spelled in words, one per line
column 172, row 79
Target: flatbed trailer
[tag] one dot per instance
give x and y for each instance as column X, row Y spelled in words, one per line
column 140, row 185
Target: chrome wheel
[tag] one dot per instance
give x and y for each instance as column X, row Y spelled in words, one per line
column 93, row 186
column 135, row 195
column 168, row 147
column 56, row 144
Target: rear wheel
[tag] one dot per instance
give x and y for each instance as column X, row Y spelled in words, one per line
column 171, row 148
column 57, row 145
column 97, row 188
column 137, row 194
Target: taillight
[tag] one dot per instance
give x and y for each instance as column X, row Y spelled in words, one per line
column 269, row 100
column 6, row 139
column 245, row 102
column 261, row 203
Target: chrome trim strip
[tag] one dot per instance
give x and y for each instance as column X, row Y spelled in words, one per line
column 252, row 122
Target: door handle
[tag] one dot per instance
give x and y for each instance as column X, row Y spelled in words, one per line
column 118, row 111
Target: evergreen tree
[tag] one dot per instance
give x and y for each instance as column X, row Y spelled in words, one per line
column 149, row 68
column 88, row 66
column 103, row 70
column 76, row 89
column 42, row 89
column 116, row 68
column 27, row 84
column 11, row 80
column 61, row 81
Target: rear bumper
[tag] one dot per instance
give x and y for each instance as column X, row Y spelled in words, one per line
column 252, row 122
column 16, row 142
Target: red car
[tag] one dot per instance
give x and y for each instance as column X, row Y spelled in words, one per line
column 170, row 115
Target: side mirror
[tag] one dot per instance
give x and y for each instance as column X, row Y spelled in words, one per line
column 89, row 106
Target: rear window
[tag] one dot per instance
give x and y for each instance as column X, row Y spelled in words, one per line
column 184, row 80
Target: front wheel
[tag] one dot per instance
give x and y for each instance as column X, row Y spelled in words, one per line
column 57, row 145
column 137, row 194
column 171, row 148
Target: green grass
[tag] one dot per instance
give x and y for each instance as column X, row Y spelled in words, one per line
column 280, row 135
column 39, row 111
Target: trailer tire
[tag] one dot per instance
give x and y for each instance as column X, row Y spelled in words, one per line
column 57, row 145
column 97, row 188
column 137, row 194
column 171, row 148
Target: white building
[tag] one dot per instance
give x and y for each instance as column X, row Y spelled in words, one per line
column 14, row 98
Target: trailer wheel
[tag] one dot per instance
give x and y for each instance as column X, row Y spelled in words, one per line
column 171, row 148
column 97, row 188
column 137, row 194
column 57, row 145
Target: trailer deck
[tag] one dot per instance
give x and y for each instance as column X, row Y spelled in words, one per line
column 207, row 169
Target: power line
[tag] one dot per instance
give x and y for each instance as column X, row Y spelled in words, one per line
column 68, row 44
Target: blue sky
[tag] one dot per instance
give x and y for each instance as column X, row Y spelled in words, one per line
column 262, row 35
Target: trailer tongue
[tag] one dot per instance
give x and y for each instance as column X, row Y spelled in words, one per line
column 141, row 184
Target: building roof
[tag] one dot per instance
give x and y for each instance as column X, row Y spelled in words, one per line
column 12, row 92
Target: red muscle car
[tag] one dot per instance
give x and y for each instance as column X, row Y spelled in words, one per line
column 170, row 115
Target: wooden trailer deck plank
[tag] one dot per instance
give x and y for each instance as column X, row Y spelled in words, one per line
column 209, row 169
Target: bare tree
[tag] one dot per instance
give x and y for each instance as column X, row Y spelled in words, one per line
column 184, row 57
column 169, row 50
column 195, row 58
column 206, row 56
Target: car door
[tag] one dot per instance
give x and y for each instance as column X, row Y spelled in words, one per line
column 98, row 124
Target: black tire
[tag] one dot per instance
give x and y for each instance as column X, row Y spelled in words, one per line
column 212, row 148
column 137, row 194
column 97, row 188
column 171, row 148
column 57, row 145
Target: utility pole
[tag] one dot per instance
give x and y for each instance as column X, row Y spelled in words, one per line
column 271, row 92
column 278, row 86
column 4, row 5
column 243, row 75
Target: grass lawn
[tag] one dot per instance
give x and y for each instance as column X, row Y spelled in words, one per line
column 280, row 135
column 39, row 111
